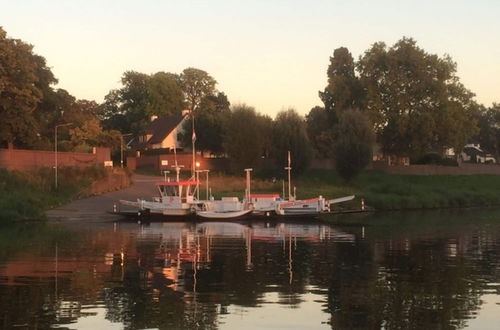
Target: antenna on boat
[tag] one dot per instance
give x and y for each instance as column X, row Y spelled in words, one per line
column 289, row 169
column 177, row 170
column 177, row 167
column 193, row 140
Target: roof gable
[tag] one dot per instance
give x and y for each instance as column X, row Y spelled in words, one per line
column 161, row 127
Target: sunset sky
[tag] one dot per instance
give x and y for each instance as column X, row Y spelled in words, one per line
column 268, row 54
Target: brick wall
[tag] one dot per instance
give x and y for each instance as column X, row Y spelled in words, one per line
column 186, row 160
column 18, row 159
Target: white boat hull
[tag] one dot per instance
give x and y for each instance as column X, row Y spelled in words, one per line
column 222, row 215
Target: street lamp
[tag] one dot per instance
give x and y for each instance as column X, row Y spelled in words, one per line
column 55, row 150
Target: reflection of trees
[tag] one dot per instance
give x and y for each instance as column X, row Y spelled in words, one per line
column 407, row 277
column 401, row 283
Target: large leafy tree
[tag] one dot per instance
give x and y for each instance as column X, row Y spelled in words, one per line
column 415, row 99
column 50, row 112
column 196, row 85
column 211, row 121
column 24, row 77
column 164, row 94
column 244, row 138
column 130, row 108
column 290, row 134
column 344, row 90
column 85, row 130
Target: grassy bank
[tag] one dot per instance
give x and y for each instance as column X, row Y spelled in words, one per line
column 379, row 190
column 26, row 195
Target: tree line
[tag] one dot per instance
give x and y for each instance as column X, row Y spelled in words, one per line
column 408, row 101
column 412, row 101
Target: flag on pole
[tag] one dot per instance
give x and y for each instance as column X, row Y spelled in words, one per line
column 193, row 138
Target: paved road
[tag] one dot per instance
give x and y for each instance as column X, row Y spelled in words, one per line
column 96, row 207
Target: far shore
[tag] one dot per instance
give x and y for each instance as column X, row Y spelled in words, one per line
column 377, row 191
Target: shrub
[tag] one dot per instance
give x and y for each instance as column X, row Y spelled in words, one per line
column 353, row 144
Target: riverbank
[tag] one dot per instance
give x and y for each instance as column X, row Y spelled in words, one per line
column 378, row 190
column 381, row 191
column 27, row 195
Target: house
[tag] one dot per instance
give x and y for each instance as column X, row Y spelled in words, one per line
column 474, row 154
column 162, row 133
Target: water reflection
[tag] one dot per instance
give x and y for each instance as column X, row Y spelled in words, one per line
column 395, row 271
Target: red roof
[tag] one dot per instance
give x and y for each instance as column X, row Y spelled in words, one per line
column 264, row 195
column 177, row 183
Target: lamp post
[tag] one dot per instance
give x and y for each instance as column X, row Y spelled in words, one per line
column 55, row 150
column 121, row 148
column 197, row 178
column 206, row 171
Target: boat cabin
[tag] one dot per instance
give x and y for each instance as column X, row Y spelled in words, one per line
column 264, row 201
column 178, row 191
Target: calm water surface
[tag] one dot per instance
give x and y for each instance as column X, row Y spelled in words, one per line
column 438, row 270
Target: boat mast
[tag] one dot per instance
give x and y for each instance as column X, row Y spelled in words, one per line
column 193, row 140
column 247, row 190
column 289, row 169
column 177, row 167
column 177, row 170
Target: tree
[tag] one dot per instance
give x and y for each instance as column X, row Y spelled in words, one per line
column 23, row 76
column 489, row 129
column 243, row 140
column 353, row 144
column 320, row 132
column 133, row 100
column 129, row 109
column 165, row 96
column 344, row 90
column 266, row 125
column 415, row 99
column 211, row 122
column 290, row 134
column 196, row 85
column 90, row 133
column 49, row 113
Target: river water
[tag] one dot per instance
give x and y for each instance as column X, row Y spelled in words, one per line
column 433, row 270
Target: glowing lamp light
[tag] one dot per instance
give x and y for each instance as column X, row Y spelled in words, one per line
column 197, row 164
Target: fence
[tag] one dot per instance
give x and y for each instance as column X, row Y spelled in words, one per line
column 19, row 159
column 463, row 169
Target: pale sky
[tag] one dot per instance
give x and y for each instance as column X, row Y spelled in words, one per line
column 269, row 54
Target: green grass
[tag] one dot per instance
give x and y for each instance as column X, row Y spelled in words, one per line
column 26, row 195
column 396, row 192
column 379, row 190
